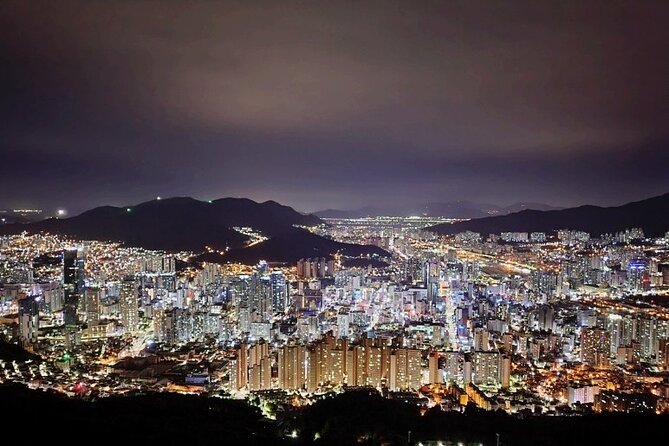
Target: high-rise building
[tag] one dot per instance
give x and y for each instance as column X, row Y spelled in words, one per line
column 467, row 371
column 315, row 367
column 259, row 367
column 336, row 365
column 260, row 298
column 365, row 364
column 158, row 264
column 128, row 305
column 279, row 292
column 507, row 343
column 544, row 282
column 291, row 365
column 73, row 284
column 431, row 280
column 433, row 368
column 486, row 368
column 28, row 321
column 647, row 336
column 481, row 339
column 623, row 330
column 453, row 364
column 545, row 317
column 505, row 374
column 538, row 237
column 663, row 353
column 357, row 366
column 595, row 347
column 406, row 369
column 374, row 358
column 168, row 325
column 241, row 368
column 583, row 395
column 92, row 296
column 315, row 268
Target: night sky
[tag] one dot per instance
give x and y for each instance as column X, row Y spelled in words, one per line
column 334, row 103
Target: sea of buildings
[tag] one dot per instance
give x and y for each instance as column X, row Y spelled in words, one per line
column 555, row 323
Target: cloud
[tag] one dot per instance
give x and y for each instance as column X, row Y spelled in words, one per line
column 353, row 101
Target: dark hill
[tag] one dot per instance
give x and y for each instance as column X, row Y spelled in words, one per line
column 353, row 417
column 12, row 352
column 651, row 214
column 364, row 417
column 174, row 224
column 148, row 419
column 293, row 246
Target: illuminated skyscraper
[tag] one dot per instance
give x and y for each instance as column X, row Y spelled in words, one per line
column 431, row 280
column 258, row 299
column 28, row 320
column 279, row 292
column 291, row 363
column 314, row 367
column 486, row 368
column 406, row 370
column 481, row 339
column 314, row 268
column 260, row 367
column 364, row 366
column 336, row 365
column 241, row 368
column 595, row 347
column 545, row 318
column 647, row 336
column 433, row 367
column 663, row 353
column 128, row 305
column 505, row 374
column 92, row 296
column 453, row 365
column 73, row 283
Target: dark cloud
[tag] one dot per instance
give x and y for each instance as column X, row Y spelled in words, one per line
column 333, row 104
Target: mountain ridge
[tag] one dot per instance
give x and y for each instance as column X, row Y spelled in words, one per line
column 174, row 224
column 651, row 214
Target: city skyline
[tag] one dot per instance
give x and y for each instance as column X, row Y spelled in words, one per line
column 532, row 326
column 333, row 105
column 386, row 222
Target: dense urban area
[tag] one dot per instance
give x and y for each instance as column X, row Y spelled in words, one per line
column 559, row 323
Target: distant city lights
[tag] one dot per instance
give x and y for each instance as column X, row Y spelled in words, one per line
column 505, row 322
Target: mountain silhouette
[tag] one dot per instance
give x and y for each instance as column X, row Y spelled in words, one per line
column 652, row 215
column 174, row 224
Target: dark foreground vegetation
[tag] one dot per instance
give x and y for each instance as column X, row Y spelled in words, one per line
column 351, row 418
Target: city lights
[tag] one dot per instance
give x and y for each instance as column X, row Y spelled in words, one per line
column 334, row 223
column 480, row 321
